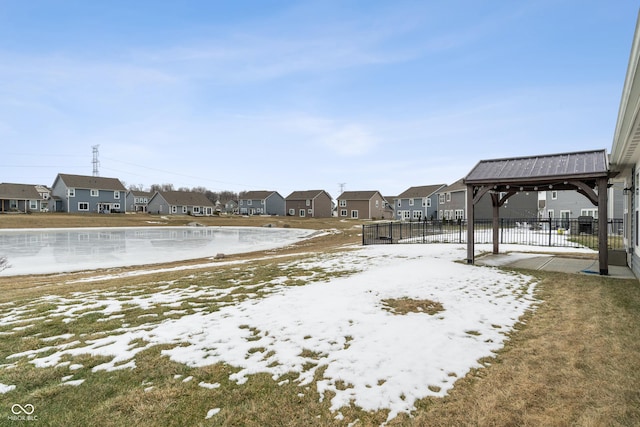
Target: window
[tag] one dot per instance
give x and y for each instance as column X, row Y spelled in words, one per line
column 33, row 204
column 136, row 200
column 377, row 203
column 459, row 214
column 249, row 202
column 116, row 194
column 448, row 197
column 440, row 214
column 310, row 212
column 308, row 202
column 554, row 195
column 83, row 206
column 399, row 203
column 417, row 214
column 174, row 209
column 354, row 214
column 343, row 204
column 441, row 199
column 424, row 202
column 71, row 192
column 589, row 212
column 292, row 212
column 406, row 214
column 13, row 204
column 343, row 212
column 196, row 209
column 95, row 193
column 115, row 206
column 184, row 209
column 428, row 202
column 302, row 212
column 410, row 202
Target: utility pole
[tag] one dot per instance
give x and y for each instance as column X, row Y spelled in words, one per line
column 96, row 162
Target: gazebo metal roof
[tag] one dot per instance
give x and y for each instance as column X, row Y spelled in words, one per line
column 543, row 169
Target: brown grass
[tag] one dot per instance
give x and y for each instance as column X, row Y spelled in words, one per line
column 409, row 305
column 573, row 361
column 576, row 361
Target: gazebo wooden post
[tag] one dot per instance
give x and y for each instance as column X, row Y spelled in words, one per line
column 495, row 202
column 470, row 225
column 603, row 221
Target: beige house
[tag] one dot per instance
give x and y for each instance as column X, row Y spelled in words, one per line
column 311, row 203
column 363, row 205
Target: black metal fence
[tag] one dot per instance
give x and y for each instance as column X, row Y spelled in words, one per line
column 578, row 233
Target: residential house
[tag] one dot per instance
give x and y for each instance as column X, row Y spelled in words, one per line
column 452, row 202
column 137, row 201
column 625, row 153
column 311, row 203
column 261, row 203
column 417, row 203
column 22, row 198
column 230, row 207
column 79, row 193
column 363, row 205
column 180, row 203
column 566, row 204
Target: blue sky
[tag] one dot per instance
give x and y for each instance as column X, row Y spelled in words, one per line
column 296, row 95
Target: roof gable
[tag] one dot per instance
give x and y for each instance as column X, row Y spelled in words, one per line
column 19, row 191
column 258, row 195
column 421, row 191
column 185, row 198
column 91, row 182
column 359, row 195
column 305, row 195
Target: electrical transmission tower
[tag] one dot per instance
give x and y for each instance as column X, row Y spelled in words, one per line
column 342, row 184
column 96, row 162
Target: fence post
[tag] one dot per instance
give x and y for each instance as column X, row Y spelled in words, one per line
column 391, row 232
column 549, row 229
column 363, row 243
column 501, row 230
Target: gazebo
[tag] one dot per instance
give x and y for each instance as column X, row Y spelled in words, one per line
column 586, row 172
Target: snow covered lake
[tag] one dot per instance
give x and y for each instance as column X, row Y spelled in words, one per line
column 41, row 251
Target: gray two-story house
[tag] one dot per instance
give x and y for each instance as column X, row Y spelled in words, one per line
column 452, row 201
column 80, row 193
column 261, row 203
column 137, row 201
column 417, row 203
column 564, row 205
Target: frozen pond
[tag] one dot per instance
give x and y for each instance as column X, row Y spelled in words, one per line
column 40, row 251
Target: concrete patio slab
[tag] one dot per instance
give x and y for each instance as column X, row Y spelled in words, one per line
column 564, row 264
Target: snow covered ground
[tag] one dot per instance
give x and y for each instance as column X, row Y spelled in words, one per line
column 387, row 360
column 40, row 251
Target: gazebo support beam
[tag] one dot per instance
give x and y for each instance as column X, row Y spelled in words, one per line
column 470, row 225
column 603, row 221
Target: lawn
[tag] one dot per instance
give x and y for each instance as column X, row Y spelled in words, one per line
column 200, row 347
